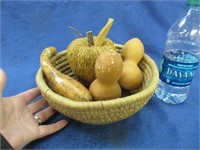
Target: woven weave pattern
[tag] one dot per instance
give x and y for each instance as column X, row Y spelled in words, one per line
column 101, row 112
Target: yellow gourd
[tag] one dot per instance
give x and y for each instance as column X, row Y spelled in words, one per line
column 132, row 53
column 60, row 83
column 108, row 68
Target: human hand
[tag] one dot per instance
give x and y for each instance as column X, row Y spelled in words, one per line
column 17, row 123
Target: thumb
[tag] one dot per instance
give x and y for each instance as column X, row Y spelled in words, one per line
column 2, row 81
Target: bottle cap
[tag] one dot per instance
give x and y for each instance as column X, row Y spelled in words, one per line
column 193, row 2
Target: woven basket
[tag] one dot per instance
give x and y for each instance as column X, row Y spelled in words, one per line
column 101, row 112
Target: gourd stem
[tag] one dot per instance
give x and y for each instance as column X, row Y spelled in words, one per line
column 104, row 32
column 90, row 38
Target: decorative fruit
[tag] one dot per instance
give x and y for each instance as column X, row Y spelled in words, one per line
column 132, row 53
column 133, row 50
column 60, row 83
column 82, row 55
column 108, row 68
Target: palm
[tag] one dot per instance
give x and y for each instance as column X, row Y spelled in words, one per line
column 21, row 119
column 16, row 116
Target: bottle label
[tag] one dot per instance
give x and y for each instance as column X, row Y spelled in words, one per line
column 177, row 73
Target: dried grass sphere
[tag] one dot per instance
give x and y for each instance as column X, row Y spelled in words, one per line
column 82, row 57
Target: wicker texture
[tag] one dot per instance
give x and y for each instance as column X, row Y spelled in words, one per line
column 101, row 112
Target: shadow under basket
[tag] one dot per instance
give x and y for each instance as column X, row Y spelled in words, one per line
column 100, row 112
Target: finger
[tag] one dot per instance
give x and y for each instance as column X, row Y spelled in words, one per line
column 29, row 95
column 36, row 106
column 45, row 130
column 46, row 113
column 2, row 81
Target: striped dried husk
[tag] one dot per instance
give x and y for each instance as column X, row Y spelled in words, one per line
column 82, row 57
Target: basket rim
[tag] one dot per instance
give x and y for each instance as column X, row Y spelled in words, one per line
column 146, row 93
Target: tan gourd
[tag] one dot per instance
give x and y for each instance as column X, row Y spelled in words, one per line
column 108, row 68
column 132, row 53
column 60, row 83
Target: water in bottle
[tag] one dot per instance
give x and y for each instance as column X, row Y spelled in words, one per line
column 181, row 56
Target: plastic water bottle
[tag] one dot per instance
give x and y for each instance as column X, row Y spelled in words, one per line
column 181, row 56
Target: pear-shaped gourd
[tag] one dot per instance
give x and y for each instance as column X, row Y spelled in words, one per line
column 108, row 69
column 82, row 55
column 132, row 53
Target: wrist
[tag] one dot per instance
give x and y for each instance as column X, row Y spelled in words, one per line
column 9, row 139
column 4, row 143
